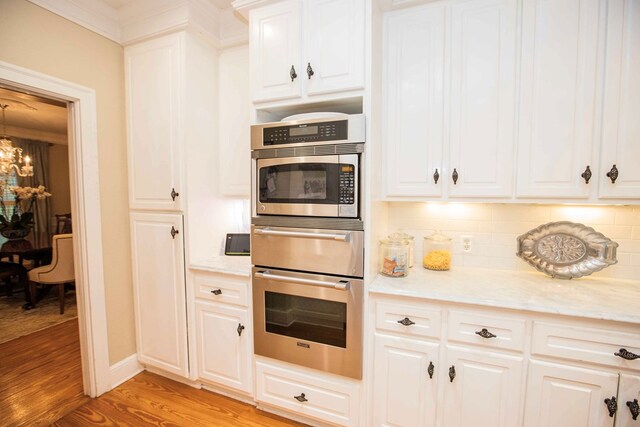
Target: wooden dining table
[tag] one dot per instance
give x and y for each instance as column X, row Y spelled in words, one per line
column 36, row 247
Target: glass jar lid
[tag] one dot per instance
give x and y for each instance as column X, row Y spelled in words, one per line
column 391, row 242
column 399, row 235
column 438, row 237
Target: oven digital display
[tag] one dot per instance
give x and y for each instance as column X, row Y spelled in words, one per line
column 303, row 130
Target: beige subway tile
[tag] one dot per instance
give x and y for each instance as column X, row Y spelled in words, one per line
column 624, row 258
column 627, row 218
column 504, row 239
column 634, row 260
column 626, row 245
column 536, row 213
column 620, row 272
column 517, row 227
column 636, row 233
column 583, row 214
column 613, row 231
column 506, row 212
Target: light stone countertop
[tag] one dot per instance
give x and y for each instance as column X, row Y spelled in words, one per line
column 589, row 297
column 235, row 265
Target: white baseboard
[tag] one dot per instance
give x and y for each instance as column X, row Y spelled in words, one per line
column 124, row 370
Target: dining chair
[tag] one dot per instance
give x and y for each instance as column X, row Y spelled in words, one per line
column 63, row 223
column 59, row 272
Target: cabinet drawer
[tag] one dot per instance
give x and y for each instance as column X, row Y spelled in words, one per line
column 327, row 398
column 420, row 321
column 586, row 344
column 221, row 288
column 469, row 327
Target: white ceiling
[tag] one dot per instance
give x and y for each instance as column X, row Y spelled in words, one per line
column 117, row 4
column 29, row 116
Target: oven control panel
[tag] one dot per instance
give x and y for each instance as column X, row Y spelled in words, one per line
column 347, row 184
column 312, row 132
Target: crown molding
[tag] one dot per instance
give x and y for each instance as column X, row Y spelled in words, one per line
column 244, row 6
column 38, row 135
column 94, row 15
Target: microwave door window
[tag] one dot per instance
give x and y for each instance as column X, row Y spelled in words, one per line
column 299, row 183
column 309, row 319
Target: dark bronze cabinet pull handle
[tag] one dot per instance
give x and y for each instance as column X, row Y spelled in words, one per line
column 634, row 408
column 586, row 174
column 174, row 232
column 216, row 291
column 240, row 329
column 309, row 70
column 301, row 398
column 626, row 354
column 485, row 334
column 292, row 73
column 436, row 176
column 174, row 194
column 454, row 175
column 452, row 373
column 613, row 174
column 612, row 405
column 430, row 370
column 406, row 322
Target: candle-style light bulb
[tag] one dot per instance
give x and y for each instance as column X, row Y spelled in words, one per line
column 27, row 159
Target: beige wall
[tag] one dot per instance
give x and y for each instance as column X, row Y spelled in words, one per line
column 59, row 179
column 34, row 38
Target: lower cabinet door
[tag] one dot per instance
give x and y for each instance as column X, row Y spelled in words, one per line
column 568, row 396
column 405, row 382
column 628, row 401
column 223, row 341
column 157, row 252
column 483, row 389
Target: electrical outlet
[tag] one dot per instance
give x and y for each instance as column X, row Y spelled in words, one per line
column 467, row 244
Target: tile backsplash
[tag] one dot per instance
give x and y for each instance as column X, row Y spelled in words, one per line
column 495, row 227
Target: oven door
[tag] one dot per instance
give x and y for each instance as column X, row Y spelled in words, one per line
column 308, row 319
column 324, row 186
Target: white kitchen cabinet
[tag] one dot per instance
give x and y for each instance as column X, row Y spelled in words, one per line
column 483, row 388
column 223, row 341
column 557, row 97
column 628, row 398
column 621, row 132
column 306, row 48
column 153, row 83
column 563, row 395
column 482, row 96
column 413, row 101
column 449, row 107
column 404, row 381
column 157, row 251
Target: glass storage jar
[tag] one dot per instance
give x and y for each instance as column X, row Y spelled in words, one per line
column 404, row 236
column 393, row 258
column 436, row 253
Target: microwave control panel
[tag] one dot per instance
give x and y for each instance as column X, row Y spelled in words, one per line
column 312, row 132
column 347, row 184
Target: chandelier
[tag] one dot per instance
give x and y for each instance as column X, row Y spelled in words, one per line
column 10, row 156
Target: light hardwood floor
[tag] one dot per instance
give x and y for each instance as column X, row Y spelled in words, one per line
column 152, row 400
column 40, row 376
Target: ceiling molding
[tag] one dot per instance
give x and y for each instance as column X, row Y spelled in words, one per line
column 244, row 6
column 38, row 135
column 94, row 15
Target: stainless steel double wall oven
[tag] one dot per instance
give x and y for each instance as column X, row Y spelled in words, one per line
column 307, row 244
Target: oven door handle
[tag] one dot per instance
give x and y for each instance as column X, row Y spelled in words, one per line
column 342, row 285
column 327, row 236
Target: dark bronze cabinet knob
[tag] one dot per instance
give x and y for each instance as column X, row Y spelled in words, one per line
column 301, row 398
column 174, row 194
column 292, row 73
column 634, row 408
column 406, row 322
column 452, row 373
column 436, row 176
column 613, row 174
column 216, row 291
column 430, row 370
column 240, row 329
column 484, row 333
column 454, row 175
column 626, row 354
column 309, row 70
column 586, row 174
column 612, row 405
column 174, row 232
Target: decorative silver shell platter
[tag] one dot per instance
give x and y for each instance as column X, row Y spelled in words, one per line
column 566, row 249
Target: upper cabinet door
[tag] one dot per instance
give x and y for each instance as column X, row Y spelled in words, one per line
column 557, row 97
column 413, row 101
column 275, row 51
column 153, row 77
column 621, row 128
column 334, row 45
column 483, row 86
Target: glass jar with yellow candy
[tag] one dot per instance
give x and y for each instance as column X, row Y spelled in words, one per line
column 436, row 253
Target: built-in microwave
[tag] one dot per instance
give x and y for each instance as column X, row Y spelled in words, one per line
column 308, row 167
